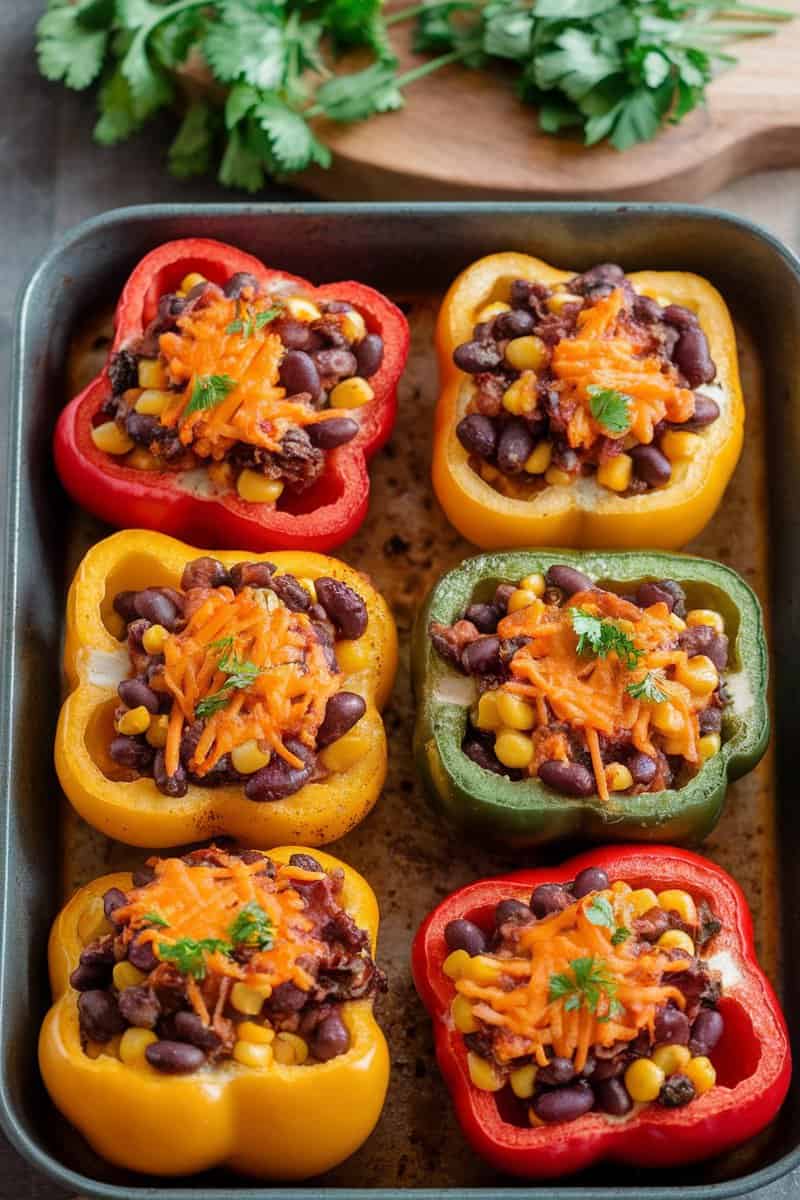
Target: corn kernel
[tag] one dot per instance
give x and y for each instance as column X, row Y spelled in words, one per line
column 513, row 748
column 679, row 445
column 483, row 971
column 643, row 1080
column 191, row 280
column 698, row 674
column 522, row 1081
column 249, row 757
column 351, row 393
column 290, row 1050
column 676, row 939
column 157, row 733
column 521, row 598
column 248, row 1000
column 133, row 1044
column 534, row 1118
column 706, row 616
column 674, row 745
column 675, row 900
column 667, row 718
column 533, row 583
column 92, row 922
column 352, row 656
column 491, row 310
column 616, row 473
column 255, row 487
column 109, row 438
column 153, row 639
column 515, row 713
column 152, row 402
column 302, row 309
column 151, row 373
column 671, row 1058
column 309, row 586
column 346, row 751
column 126, row 975
column 701, row 1072
column 353, row 325
column 557, row 478
column 250, row 1031
column 487, row 716
column 676, row 622
column 142, row 460
column 708, row 745
column 134, row 721
column 527, row 353
column 620, row 888
column 455, row 964
column 250, row 1054
column 618, row 777
column 461, row 1012
column 483, row 1073
column 538, row 460
column 559, row 300
column 520, row 397
column 642, row 899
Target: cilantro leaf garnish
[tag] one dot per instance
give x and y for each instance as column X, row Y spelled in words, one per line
column 252, row 927
column 208, row 392
column 246, row 325
column 241, row 673
column 154, row 918
column 600, row 912
column 189, row 956
column 589, row 984
column 647, row 688
column 610, row 409
column 599, row 636
column 620, row 935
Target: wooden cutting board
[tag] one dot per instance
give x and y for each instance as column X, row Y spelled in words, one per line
column 463, row 135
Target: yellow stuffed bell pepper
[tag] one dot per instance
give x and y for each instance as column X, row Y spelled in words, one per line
column 604, row 410
column 285, row 744
column 258, row 1102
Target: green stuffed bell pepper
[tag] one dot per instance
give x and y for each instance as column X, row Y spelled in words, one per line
column 610, row 696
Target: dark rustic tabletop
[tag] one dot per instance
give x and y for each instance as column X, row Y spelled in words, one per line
column 53, row 177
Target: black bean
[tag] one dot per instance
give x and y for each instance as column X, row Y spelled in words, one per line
column 612, row 1097
column 478, row 751
column 125, row 604
column 568, row 778
column 521, row 291
column 205, row 572
column 279, row 779
column 345, row 608
column 189, row 1028
column 483, row 616
column 174, row 1058
column 154, row 606
column 238, row 282
column 557, row 1072
column 131, row 752
column 601, row 275
column 304, row 862
column 482, row 657
column 295, row 335
column 549, row 898
column 113, row 899
column 706, row 412
column 287, row 998
column 646, row 310
column 330, row 1039
column 517, row 323
column 336, row 362
column 341, row 713
column 590, row 879
column 476, row 357
column 99, row 953
column 514, row 446
column 99, row 1016
column 502, row 595
column 298, row 373
column 568, row 579
column 564, row 1104
column 651, row 924
column 692, row 357
column 336, row 431
column 477, row 434
column 642, row 768
column 707, row 1030
column 291, row 592
column 511, row 910
column 462, row 934
column 135, row 693
column 677, row 593
column 139, row 1006
column 651, row 465
column 702, row 639
column 369, row 355
column 88, row 976
column 671, row 1026
column 143, row 875
column 676, row 1091
column 654, row 593
column 608, row 1068
column 142, row 956
column 710, row 720
column 176, row 785
column 252, row 574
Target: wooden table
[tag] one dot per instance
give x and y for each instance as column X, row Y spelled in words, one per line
column 53, row 177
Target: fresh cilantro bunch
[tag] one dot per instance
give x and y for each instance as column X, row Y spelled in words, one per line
column 601, row 637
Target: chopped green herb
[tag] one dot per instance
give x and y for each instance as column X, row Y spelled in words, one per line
column 154, row 918
column 620, row 935
column 248, row 324
column 252, row 927
column 589, row 984
column 208, row 392
column 600, row 912
column 241, row 673
column 189, row 956
column 647, row 688
column 598, row 635
column 610, row 409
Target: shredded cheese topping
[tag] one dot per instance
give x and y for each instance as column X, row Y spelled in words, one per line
column 282, row 693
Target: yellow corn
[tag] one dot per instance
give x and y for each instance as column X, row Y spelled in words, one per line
column 671, row 1058
column 702, row 1074
column 309, row 585
column 157, row 732
column 616, row 473
column 461, row 1012
column 708, row 745
column 92, row 921
column 135, row 720
column 491, row 310
column 513, row 748
column 352, row 656
column 675, row 900
column 698, row 674
column 250, row 1054
column 643, row 1079
column 353, row 325
column 290, row 1050
column 126, row 975
column 255, row 487
column 520, row 397
column 521, row 598
column 483, row 1074
column 142, row 460
column 351, row 393
column 533, row 583
column 153, row 639
column 191, row 280
column 133, row 1044
column 706, row 616
column 667, row 718
column 618, row 777
column 248, row 1000
column 302, row 309
column 522, row 1081
column 483, row 971
column 249, row 1031
column 677, row 623
column 486, row 716
column 152, row 402
column 538, row 460
column 514, row 712
column 557, row 478
column 527, row 353
column 676, row 939
column 620, row 888
column 679, row 445
column 559, row 300
column 249, row 757
column 642, row 900
column 346, row 751
column 455, row 964
column 109, row 438
column 151, row 373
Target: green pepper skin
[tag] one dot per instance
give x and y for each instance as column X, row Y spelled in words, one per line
column 525, row 813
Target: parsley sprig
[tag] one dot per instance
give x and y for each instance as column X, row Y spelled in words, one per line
column 189, row 956
column 208, row 391
column 616, row 69
column 247, row 322
column 611, row 409
column 252, row 927
column 241, row 673
column 647, row 688
column 600, row 912
column 601, row 637
column 590, row 985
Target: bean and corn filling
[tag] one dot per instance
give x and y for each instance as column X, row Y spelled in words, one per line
column 255, row 387
column 592, row 996
column 584, row 378
column 590, row 691
column 222, row 955
column 237, row 678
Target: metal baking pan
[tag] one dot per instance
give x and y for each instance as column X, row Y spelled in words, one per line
column 412, row 252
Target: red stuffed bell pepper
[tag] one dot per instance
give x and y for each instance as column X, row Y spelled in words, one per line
column 238, row 406
column 609, row 1008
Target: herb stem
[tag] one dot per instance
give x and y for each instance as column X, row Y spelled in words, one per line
column 419, row 10
column 444, row 60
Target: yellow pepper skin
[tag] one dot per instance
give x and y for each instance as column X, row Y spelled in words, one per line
column 582, row 515
column 281, row 1122
column 94, row 660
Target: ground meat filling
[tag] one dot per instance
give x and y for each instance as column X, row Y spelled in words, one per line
column 224, row 955
column 624, row 1011
column 254, row 386
column 590, row 691
column 584, row 378
column 234, row 678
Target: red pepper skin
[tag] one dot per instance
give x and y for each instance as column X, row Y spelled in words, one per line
column 319, row 519
column 752, row 1059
